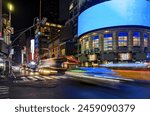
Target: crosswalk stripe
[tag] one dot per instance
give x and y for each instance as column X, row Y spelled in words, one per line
column 63, row 77
column 4, row 91
column 39, row 78
column 4, row 88
column 32, row 78
column 54, row 77
column 24, row 78
column 46, row 77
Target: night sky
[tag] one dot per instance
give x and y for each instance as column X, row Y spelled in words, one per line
column 24, row 12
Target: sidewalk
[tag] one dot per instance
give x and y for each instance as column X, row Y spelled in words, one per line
column 4, row 80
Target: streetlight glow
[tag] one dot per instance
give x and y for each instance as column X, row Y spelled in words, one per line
column 10, row 7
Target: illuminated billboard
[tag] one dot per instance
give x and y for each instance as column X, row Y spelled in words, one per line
column 114, row 13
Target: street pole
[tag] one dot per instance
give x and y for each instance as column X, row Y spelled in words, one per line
column 40, row 11
column 10, row 10
column 10, row 17
column 1, row 17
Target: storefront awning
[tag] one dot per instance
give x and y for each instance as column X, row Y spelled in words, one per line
column 72, row 59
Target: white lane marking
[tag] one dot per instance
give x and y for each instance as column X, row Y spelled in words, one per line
column 32, row 78
column 54, row 77
column 4, row 90
column 63, row 77
column 25, row 79
column 39, row 77
column 47, row 77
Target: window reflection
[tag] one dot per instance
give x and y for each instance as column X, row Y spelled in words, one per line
column 95, row 40
column 87, row 44
column 145, row 40
column 107, row 42
column 136, row 39
column 122, row 38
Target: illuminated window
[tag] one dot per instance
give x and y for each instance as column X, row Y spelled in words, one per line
column 136, row 39
column 107, row 42
column 122, row 38
column 87, row 44
column 145, row 40
column 95, row 42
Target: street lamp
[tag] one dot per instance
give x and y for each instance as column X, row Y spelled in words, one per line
column 10, row 8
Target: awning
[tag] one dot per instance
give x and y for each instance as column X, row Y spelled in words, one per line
column 72, row 59
column 71, row 63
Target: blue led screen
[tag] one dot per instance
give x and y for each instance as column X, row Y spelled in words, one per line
column 114, row 13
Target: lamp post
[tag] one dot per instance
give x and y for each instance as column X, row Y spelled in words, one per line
column 0, row 18
column 9, row 28
column 40, row 11
column 10, row 8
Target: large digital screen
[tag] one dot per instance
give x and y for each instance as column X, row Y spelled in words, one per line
column 114, row 13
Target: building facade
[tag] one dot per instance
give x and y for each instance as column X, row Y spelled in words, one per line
column 50, row 40
column 120, row 35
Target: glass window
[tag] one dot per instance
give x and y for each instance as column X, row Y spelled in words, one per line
column 136, row 39
column 145, row 40
column 107, row 42
column 122, row 38
column 87, row 44
column 95, row 40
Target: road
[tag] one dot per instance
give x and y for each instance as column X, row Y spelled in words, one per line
column 31, row 85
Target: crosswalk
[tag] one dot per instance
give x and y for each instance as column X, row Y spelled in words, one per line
column 4, row 92
column 30, row 78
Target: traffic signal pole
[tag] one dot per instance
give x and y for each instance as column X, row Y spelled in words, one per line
column 1, row 18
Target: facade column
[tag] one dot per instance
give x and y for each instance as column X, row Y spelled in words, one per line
column 148, row 42
column 142, row 41
column 130, row 41
column 115, row 41
column 101, row 43
column 90, row 44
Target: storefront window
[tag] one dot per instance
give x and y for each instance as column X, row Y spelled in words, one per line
column 145, row 40
column 122, row 38
column 107, row 42
column 136, row 39
column 87, row 44
column 95, row 40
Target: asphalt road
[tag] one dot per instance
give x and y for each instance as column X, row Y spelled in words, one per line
column 29, row 85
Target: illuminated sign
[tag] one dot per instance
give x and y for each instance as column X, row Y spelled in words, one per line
column 114, row 13
column 125, row 56
column 32, row 48
column 92, row 57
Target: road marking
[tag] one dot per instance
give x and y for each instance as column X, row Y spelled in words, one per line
column 63, row 77
column 46, row 77
column 25, row 79
column 32, row 78
column 4, row 92
column 54, row 77
column 39, row 78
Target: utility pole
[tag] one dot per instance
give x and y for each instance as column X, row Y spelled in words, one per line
column 1, row 18
column 40, row 10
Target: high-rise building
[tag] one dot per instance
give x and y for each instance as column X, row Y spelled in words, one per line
column 50, row 9
column 55, row 10
column 47, row 44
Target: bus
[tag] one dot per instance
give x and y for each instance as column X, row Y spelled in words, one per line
column 51, row 66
